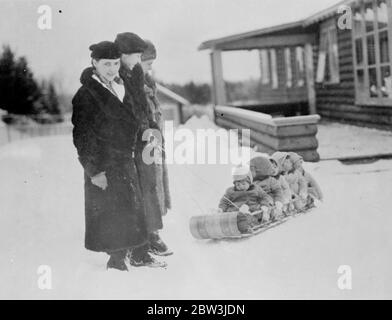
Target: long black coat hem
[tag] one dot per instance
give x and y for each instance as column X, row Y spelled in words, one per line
column 118, row 249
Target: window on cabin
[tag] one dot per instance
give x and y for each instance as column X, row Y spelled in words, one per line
column 289, row 71
column 328, row 60
column 264, row 67
column 372, row 54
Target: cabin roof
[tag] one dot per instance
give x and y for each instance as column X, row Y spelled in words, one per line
column 250, row 34
column 326, row 13
column 287, row 28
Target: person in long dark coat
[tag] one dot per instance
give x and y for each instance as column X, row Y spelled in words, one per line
column 105, row 134
column 161, row 171
column 132, row 47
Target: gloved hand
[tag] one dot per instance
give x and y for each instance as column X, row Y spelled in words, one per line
column 266, row 213
column 244, row 209
column 303, row 195
column 279, row 205
column 278, row 208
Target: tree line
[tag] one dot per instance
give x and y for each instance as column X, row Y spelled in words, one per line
column 22, row 94
column 200, row 94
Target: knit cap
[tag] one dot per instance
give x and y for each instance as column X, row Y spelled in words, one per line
column 105, row 50
column 261, row 167
column 280, row 157
column 273, row 161
column 295, row 157
column 129, row 43
column 242, row 173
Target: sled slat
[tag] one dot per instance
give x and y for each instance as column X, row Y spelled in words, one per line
column 215, row 226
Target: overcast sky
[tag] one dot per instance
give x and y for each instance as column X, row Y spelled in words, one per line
column 176, row 27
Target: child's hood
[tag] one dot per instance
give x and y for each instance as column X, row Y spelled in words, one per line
column 261, row 168
column 280, row 157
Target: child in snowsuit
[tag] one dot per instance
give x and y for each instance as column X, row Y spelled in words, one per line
column 295, row 180
column 280, row 178
column 314, row 189
column 246, row 198
column 263, row 176
column 244, row 192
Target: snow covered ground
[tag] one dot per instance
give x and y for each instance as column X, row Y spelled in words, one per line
column 42, row 223
column 344, row 140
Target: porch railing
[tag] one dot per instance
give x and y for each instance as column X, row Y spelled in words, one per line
column 297, row 134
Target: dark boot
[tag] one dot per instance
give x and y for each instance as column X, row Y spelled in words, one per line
column 139, row 257
column 117, row 260
column 157, row 246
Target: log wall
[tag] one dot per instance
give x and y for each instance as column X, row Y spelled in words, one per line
column 297, row 134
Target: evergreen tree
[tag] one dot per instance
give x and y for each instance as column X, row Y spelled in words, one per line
column 49, row 100
column 19, row 91
column 7, row 78
column 53, row 100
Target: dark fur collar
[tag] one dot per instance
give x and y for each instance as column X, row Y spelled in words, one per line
column 107, row 102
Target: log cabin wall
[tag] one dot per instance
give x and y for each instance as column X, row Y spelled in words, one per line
column 337, row 101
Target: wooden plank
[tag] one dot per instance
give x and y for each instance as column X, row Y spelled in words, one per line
column 293, row 131
column 245, row 114
column 309, row 155
column 275, row 143
column 300, row 120
column 309, row 71
column 380, row 111
column 267, row 42
column 219, row 90
column 389, row 7
column 265, row 129
column 297, row 143
column 377, row 47
column 360, row 117
column 296, row 134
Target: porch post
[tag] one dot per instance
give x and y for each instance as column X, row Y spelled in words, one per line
column 309, row 66
column 218, row 90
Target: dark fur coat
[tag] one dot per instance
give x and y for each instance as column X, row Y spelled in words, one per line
column 152, row 177
column 105, row 135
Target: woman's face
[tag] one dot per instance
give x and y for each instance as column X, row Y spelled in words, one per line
column 107, row 68
column 147, row 65
column 131, row 60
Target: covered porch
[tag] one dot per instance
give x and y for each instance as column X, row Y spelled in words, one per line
column 286, row 84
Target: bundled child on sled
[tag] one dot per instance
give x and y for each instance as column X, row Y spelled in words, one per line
column 271, row 187
column 303, row 186
column 247, row 198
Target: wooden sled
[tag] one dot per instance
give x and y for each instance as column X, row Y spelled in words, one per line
column 224, row 226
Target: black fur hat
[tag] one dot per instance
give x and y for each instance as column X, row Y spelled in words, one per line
column 129, row 42
column 105, row 50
